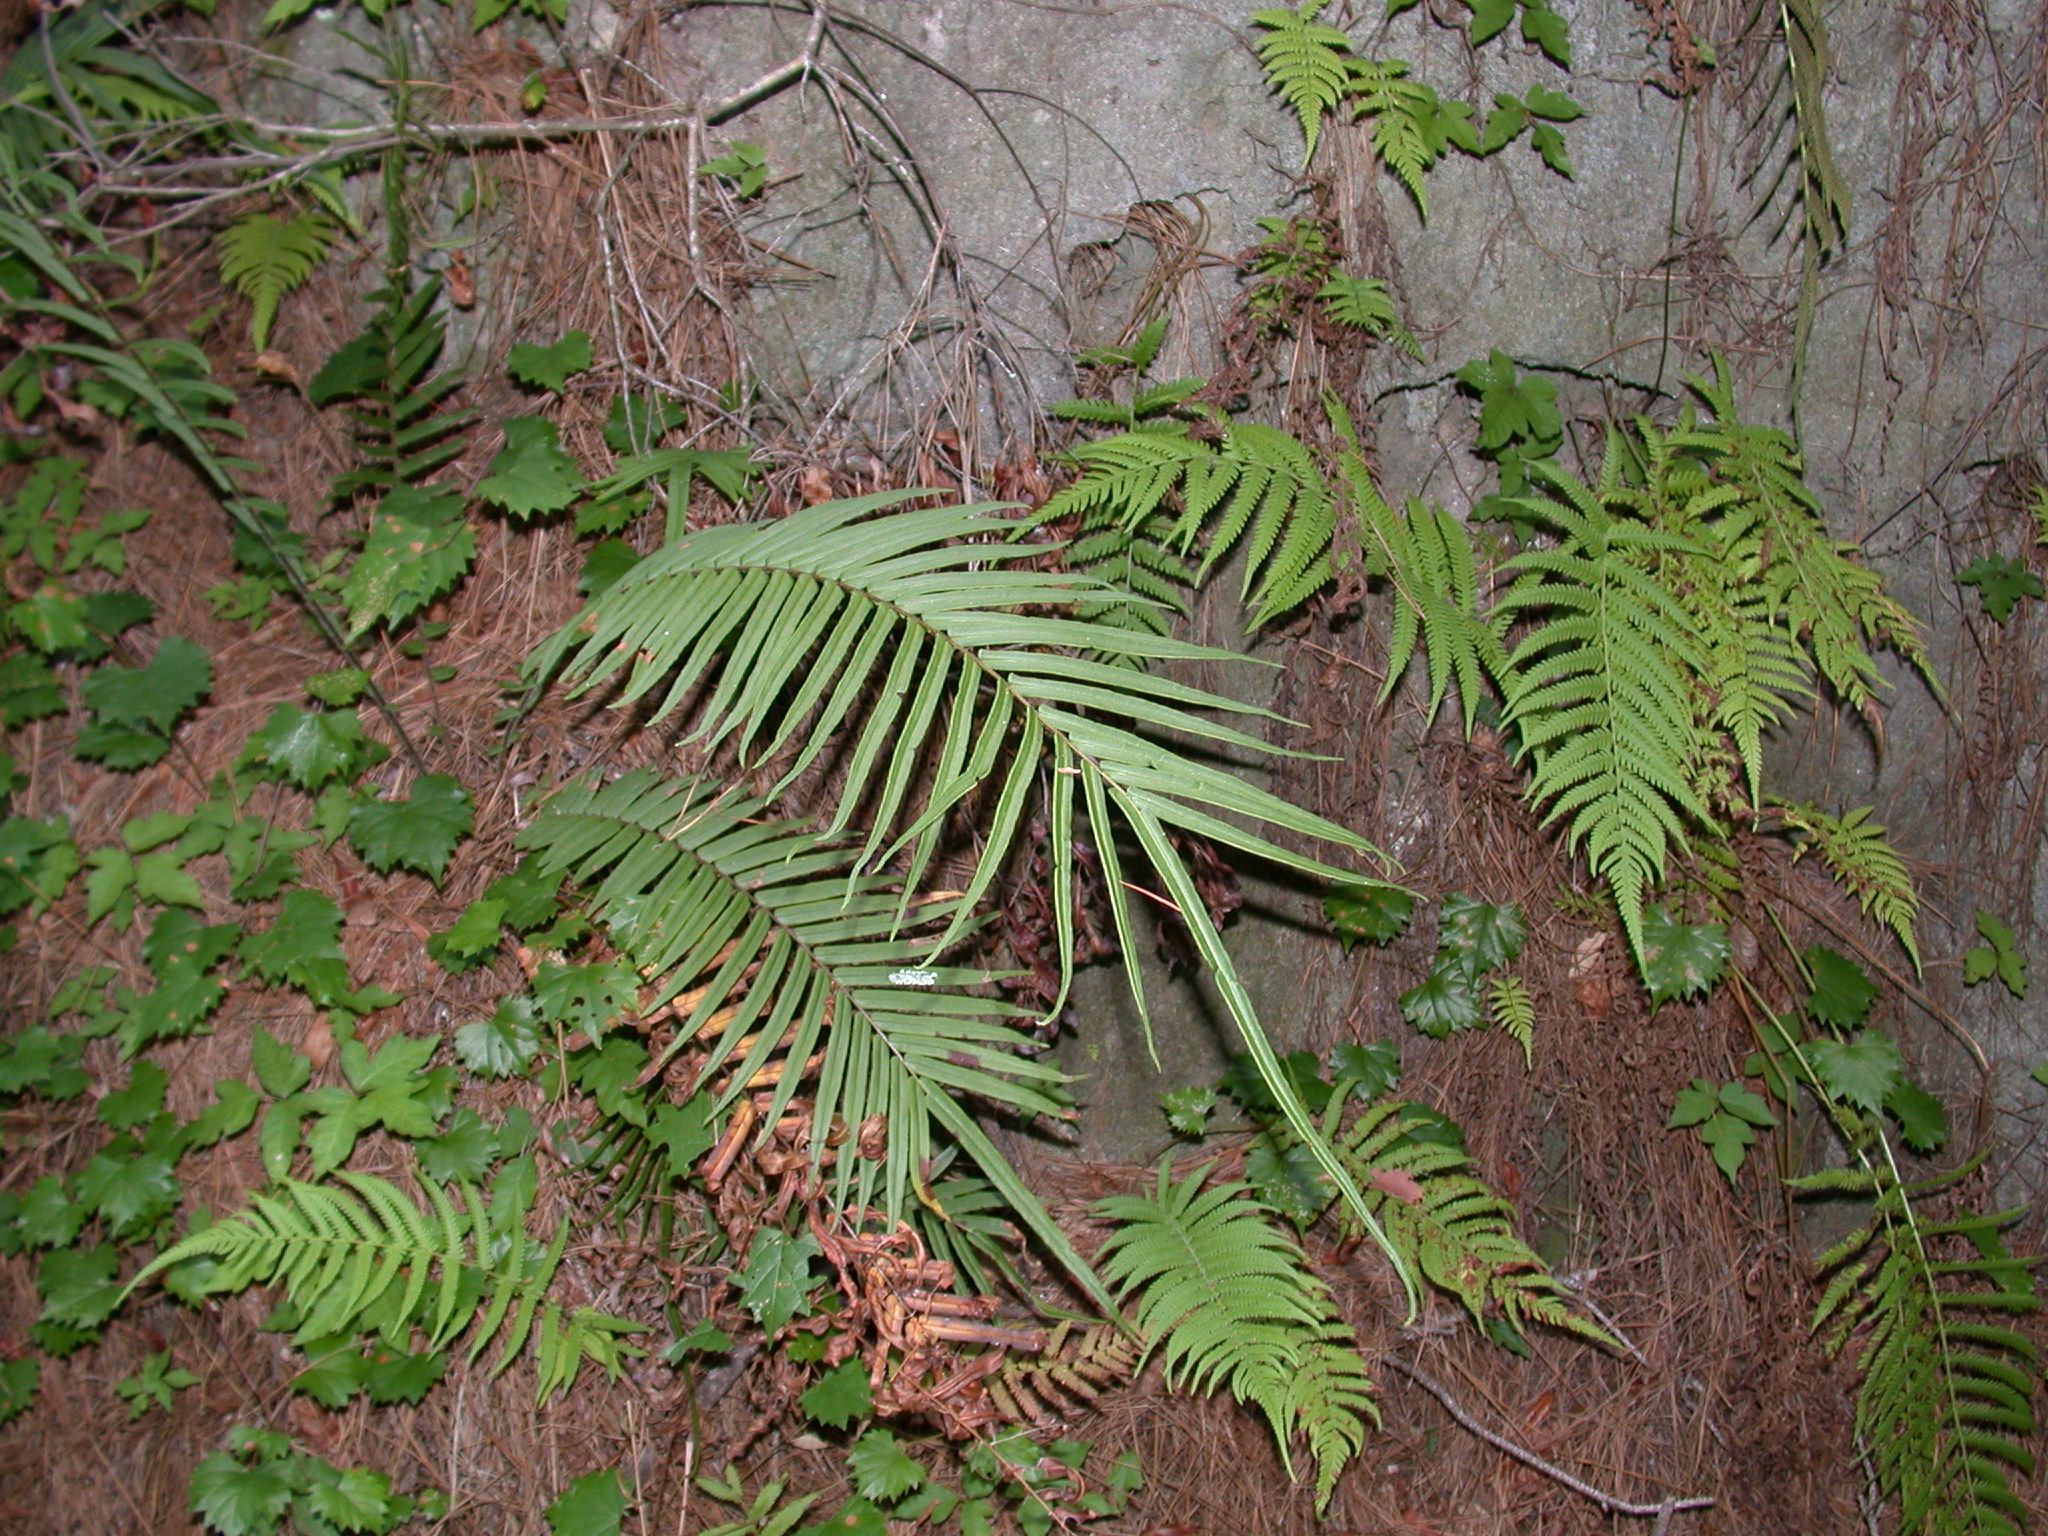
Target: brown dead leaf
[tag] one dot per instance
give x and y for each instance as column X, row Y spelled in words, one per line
column 1397, row 1183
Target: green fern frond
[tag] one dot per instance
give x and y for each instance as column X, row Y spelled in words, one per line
column 1407, row 128
column 1945, row 1402
column 771, row 632
column 1426, row 557
column 789, row 958
column 263, row 258
column 1599, row 690
column 1308, row 63
column 386, row 373
column 1864, row 863
column 1363, row 304
column 366, row 1256
column 1457, row 1231
column 1513, row 1012
column 1254, row 485
column 1228, row 1300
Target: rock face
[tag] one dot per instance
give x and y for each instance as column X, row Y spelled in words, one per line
column 962, row 194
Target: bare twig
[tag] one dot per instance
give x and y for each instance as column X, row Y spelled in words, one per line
column 1661, row 1511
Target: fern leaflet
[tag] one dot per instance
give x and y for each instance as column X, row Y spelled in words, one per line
column 366, row 1256
column 1229, row 1300
column 1945, row 1404
column 1407, row 130
column 1600, row 691
column 263, row 258
column 1864, row 863
column 1451, row 1226
column 1308, row 63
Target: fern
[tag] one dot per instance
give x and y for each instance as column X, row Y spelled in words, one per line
column 1513, row 1011
column 785, row 971
column 1363, row 304
column 1228, row 1300
column 366, row 1256
column 1407, row 130
column 1945, row 1402
column 263, row 258
column 1237, row 482
column 1600, row 688
column 1308, row 63
column 1426, row 557
column 770, row 632
column 1865, row 864
column 1454, row 1229
column 387, row 372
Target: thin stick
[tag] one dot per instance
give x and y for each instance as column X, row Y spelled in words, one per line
column 1661, row 1511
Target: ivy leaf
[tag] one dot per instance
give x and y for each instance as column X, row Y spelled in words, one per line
column 1490, row 935
column 1549, row 143
column 28, row 690
column 1374, row 1067
column 176, row 679
column 1681, row 959
column 464, row 1152
column 357, row 1500
column 1729, row 1140
column 302, row 947
column 590, row 998
column 1998, row 956
column 1553, row 105
column 472, row 938
column 1921, row 1118
column 418, row 547
column 1746, row 1106
column 51, row 618
column 2000, row 582
column 1512, row 408
column 1841, row 994
column 550, row 367
column 239, row 1500
column 310, row 748
column 1504, row 123
column 611, row 1074
column 280, row 1070
column 123, row 748
column 404, row 1378
column 503, row 1044
column 1546, row 29
column 776, row 1283
column 130, row 1188
column 1864, row 1071
column 155, row 1383
column 1288, row 1179
column 1374, row 913
column 859, row 1517
column 161, row 878
column 232, row 1112
column 531, row 475
column 339, row 688
column 1694, row 1105
column 593, row 1505
column 683, row 1132
column 50, row 1214
column 419, row 833
column 142, row 1100
column 335, row 1374
column 1188, row 1109
column 1447, row 1002
column 608, row 560
column 1489, row 19
column 881, row 1468
column 840, row 1396
column 19, row 1380
column 77, row 1285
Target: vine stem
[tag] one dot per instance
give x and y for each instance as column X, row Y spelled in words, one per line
column 1661, row 1511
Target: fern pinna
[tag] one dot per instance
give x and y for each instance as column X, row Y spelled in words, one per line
column 365, row 1257
column 982, row 678
column 1944, row 1407
column 1228, row 1300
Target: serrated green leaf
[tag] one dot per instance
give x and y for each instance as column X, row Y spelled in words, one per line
column 357, row 1500
column 232, row 1112
column 280, row 1070
column 472, row 938
column 310, row 749
column 593, row 1505
column 418, row 833
column 154, row 1385
column 418, row 547
column 130, row 1189
column 1490, row 935
column 177, row 678
column 881, row 1468
column 2001, row 581
column 235, row 1499
column 1997, row 956
column 503, row 1044
column 531, row 474
column 78, row 1287
column 142, row 1100
column 19, row 1380
column 550, row 367
column 1841, row 993
column 1681, row 959
column 1445, row 1003
column 1863, row 1071
column 776, row 1283
column 462, row 1153
column 1922, row 1121
column 1188, row 1109
column 683, row 1132
column 840, row 1396
column 1375, row 913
